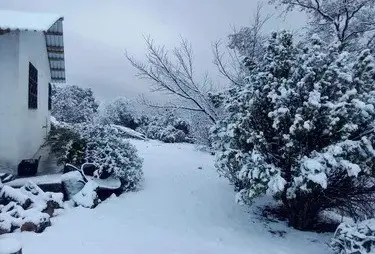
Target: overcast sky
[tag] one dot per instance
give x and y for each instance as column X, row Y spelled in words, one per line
column 97, row 32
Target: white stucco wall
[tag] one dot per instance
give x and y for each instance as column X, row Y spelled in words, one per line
column 10, row 110
column 21, row 127
column 32, row 48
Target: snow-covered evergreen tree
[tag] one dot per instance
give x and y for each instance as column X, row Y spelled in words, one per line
column 301, row 130
column 73, row 104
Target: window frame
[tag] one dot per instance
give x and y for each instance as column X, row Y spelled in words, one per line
column 33, row 87
column 49, row 97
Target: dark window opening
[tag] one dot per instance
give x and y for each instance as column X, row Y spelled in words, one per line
column 33, row 87
column 49, row 96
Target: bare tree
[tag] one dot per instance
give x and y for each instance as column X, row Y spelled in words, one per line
column 350, row 22
column 245, row 48
column 174, row 74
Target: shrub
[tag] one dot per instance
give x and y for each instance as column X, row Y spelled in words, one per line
column 67, row 145
column 73, row 104
column 168, row 128
column 302, row 130
column 355, row 238
column 112, row 154
column 102, row 145
column 119, row 112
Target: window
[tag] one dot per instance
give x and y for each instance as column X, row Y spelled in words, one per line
column 33, row 87
column 49, row 96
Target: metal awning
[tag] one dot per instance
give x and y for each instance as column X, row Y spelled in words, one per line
column 51, row 25
column 55, row 49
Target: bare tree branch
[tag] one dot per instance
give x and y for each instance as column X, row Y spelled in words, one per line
column 175, row 75
column 248, row 42
column 344, row 20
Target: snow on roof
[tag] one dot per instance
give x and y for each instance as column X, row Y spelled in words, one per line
column 17, row 20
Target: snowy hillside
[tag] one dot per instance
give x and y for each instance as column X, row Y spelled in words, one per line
column 184, row 207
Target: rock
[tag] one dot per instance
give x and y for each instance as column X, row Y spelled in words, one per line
column 5, row 227
column 72, row 182
column 88, row 196
column 51, row 207
column 37, row 223
column 28, row 227
column 9, row 194
column 10, row 246
column 45, row 202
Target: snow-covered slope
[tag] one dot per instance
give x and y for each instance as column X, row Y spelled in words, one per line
column 182, row 209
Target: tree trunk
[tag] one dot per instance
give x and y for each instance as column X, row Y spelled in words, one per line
column 303, row 212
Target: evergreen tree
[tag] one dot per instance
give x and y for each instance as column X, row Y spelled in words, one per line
column 73, row 104
column 302, row 130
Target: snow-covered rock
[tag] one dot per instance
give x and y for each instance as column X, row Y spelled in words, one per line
column 9, row 194
column 13, row 216
column 43, row 201
column 88, row 196
column 10, row 246
column 73, row 182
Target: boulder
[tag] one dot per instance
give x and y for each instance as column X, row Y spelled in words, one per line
column 36, row 228
column 9, row 194
column 88, row 196
column 42, row 199
column 72, row 182
column 35, row 222
column 5, row 225
column 10, row 246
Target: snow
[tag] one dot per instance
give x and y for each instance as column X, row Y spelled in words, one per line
column 111, row 183
column 9, row 245
column 16, row 20
column 45, row 179
column 180, row 209
column 87, row 196
column 130, row 132
column 14, row 194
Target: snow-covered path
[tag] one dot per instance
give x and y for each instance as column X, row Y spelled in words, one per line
column 182, row 209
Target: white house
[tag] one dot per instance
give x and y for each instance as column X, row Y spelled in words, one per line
column 31, row 58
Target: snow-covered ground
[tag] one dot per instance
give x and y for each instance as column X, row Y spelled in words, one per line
column 184, row 207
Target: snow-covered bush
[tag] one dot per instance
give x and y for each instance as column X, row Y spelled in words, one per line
column 120, row 112
column 67, row 145
column 103, row 145
column 112, row 154
column 73, row 104
column 302, row 130
column 167, row 127
column 355, row 238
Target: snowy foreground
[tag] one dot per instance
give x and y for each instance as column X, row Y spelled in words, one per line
column 184, row 207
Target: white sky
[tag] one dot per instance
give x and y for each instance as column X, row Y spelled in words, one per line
column 97, row 33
